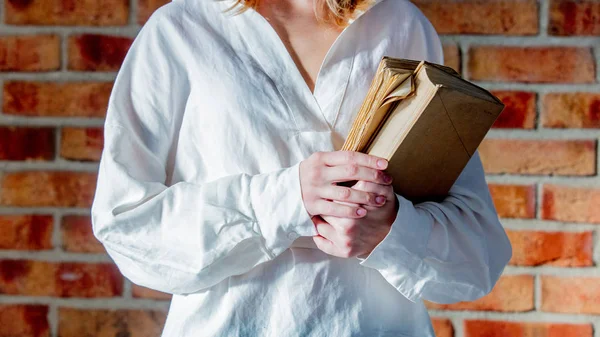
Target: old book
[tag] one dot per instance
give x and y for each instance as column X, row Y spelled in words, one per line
column 426, row 121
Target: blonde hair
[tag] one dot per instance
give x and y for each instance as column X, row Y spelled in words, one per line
column 338, row 12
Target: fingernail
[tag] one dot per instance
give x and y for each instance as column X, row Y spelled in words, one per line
column 361, row 211
column 387, row 178
column 382, row 163
column 380, row 199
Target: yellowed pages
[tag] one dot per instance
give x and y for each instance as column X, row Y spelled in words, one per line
column 401, row 87
column 401, row 119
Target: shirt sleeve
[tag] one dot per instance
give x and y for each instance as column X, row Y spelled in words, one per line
column 187, row 236
column 448, row 251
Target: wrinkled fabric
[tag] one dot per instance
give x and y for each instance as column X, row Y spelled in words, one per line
column 198, row 191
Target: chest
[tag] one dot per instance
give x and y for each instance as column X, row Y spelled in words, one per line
column 250, row 108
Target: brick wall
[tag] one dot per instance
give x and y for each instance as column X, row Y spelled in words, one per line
column 58, row 59
column 541, row 159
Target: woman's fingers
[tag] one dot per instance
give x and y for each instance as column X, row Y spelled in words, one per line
column 378, row 189
column 383, row 191
column 328, row 239
column 336, row 158
column 322, row 170
column 346, row 194
column 321, row 240
column 339, row 210
column 325, row 245
column 326, row 230
column 341, row 225
column 355, row 172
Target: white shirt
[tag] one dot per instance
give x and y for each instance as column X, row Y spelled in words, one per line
column 198, row 190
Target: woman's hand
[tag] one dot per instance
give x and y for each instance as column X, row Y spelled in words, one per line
column 349, row 237
column 320, row 172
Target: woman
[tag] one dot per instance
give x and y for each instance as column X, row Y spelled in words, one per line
column 216, row 183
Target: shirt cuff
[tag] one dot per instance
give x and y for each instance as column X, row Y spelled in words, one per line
column 399, row 256
column 281, row 216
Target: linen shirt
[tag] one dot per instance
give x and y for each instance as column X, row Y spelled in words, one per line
column 198, row 190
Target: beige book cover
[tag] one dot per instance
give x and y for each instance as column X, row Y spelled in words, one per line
column 426, row 121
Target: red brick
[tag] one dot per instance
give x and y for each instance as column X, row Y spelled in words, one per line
column 507, row 17
column 26, row 143
column 48, row 99
column 569, row 17
column 519, row 110
column 573, row 204
column 571, row 294
column 47, row 188
column 20, row 320
column 60, row 12
column 30, row 52
column 513, row 201
column 82, row 143
column 554, row 157
column 78, row 236
column 511, row 293
column 532, row 64
column 452, row 56
column 482, row 328
column 88, row 280
column 97, row 52
column 571, row 110
column 147, row 7
column 73, row 322
column 561, row 249
column 143, row 292
column 442, row 327
column 59, row 279
column 26, row 232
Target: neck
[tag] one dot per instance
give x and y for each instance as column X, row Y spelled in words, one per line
column 286, row 9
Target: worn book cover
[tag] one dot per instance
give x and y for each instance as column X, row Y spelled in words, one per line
column 426, row 121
